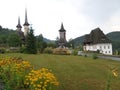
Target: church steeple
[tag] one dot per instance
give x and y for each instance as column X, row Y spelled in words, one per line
column 62, row 40
column 62, row 28
column 19, row 25
column 26, row 24
column 26, row 20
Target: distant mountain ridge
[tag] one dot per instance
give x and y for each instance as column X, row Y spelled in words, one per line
column 48, row 40
column 114, row 36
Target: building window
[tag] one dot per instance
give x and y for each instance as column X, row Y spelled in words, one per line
column 108, row 47
column 100, row 47
column 109, row 51
column 106, row 52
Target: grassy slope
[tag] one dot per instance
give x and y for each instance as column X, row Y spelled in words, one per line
column 76, row 72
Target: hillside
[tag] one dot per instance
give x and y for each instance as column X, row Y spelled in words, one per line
column 5, row 33
column 78, row 41
column 114, row 36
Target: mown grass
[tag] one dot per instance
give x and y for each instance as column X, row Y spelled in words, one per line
column 76, row 72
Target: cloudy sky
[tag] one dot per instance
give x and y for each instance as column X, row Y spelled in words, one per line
column 78, row 16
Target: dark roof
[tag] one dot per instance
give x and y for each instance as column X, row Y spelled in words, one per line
column 19, row 25
column 62, row 28
column 26, row 24
column 96, row 36
column 26, row 20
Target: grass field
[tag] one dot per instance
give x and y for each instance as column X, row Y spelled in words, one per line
column 76, row 72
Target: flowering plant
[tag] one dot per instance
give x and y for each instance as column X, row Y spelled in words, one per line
column 17, row 74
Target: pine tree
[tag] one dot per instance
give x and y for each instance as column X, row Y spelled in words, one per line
column 30, row 46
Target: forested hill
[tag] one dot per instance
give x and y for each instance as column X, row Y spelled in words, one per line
column 6, row 35
column 114, row 36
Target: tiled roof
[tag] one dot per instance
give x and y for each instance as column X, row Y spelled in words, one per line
column 96, row 36
column 62, row 28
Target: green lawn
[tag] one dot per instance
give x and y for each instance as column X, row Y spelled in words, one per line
column 76, row 72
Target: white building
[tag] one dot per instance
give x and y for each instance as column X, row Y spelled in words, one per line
column 97, row 41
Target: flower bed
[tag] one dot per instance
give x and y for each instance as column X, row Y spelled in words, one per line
column 18, row 74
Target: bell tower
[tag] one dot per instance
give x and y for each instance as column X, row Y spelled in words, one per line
column 26, row 24
column 62, row 33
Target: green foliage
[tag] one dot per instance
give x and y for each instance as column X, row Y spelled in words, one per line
column 48, row 50
column 22, row 49
column 94, row 56
column 4, row 34
column 14, row 40
column 75, row 52
column 30, row 45
column 51, row 45
column 41, row 45
column 18, row 74
column 71, row 43
column 2, row 50
column 76, row 72
column 78, row 41
column 12, row 72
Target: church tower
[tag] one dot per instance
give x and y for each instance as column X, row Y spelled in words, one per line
column 19, row 31
column 62, row 33
column 26, row 24
column 19, row 25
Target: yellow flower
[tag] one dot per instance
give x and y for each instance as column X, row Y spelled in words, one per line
column 115, row 73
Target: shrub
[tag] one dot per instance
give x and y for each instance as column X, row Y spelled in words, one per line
column 48, row 50
column 18, row 74
column 41, row 79
column 12, row 72
column 2, row 50
column 75, row 52
column 22, row 49
column 94, row 56
column 61, row 51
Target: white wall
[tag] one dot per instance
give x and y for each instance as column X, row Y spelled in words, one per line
column 105, row 48
column 26, row 30
column 62, row 35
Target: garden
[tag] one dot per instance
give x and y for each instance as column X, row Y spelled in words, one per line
column 57, row 72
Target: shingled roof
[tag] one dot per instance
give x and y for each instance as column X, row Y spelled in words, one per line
column 96, row 36
column 62, row 28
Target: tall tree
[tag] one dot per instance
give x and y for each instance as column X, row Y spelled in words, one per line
column 41, row 45
column 30, row 46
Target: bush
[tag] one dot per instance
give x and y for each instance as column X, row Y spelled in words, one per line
column 22, row 49
column 61, row 51
column 75, row 52
column 95, row 56
column 18, row 74
column 48, row 50
column 2, row 50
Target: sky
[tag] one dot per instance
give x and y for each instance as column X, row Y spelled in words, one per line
column 79, row 17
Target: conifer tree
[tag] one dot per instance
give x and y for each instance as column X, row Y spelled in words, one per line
column 30, row 46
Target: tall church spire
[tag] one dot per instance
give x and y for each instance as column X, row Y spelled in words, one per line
column 19, row 25
column 26, row 24
column 62, row 28
column 26, row 20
